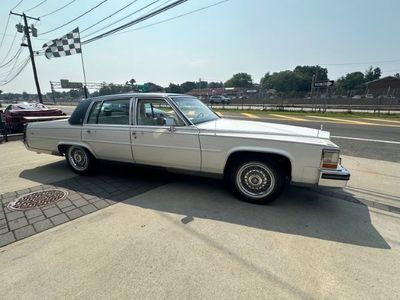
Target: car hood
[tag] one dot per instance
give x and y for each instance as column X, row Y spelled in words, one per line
column 265, row 128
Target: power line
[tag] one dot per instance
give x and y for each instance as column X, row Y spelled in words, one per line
column 114, row 13
column 5, row 31
column 37, row 5
column 173, row 18
column 123, row 18
column 78, row 17
column 17, row 5
column 140, row 19
column 58, row 9
column 20, row 69
column 12, row 58
column 9, row 49
column 15, row 63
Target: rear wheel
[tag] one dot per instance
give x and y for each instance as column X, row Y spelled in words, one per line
column 257, row 182
column 80, row 160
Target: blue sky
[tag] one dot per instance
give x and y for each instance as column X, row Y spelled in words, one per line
column 254, row 36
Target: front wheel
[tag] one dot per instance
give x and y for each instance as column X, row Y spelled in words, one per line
column 80, row 160
column 257, row 182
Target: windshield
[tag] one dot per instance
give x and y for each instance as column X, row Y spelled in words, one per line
column 195, row 110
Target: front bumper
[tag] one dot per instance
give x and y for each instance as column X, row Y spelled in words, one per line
column 334, row 178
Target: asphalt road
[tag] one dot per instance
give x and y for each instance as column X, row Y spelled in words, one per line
column 375, row 142
column 378, row 140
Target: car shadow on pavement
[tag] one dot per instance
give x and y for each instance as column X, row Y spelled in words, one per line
column 297, row 211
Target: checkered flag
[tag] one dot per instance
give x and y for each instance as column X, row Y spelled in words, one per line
column 67, row 45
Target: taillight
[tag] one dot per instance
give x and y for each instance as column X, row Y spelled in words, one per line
column 330, row 158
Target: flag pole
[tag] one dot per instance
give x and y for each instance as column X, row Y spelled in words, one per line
column 84, row 75
column 83, row 68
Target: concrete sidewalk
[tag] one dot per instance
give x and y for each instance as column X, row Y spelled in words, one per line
column 15, row 160
column 375, row 183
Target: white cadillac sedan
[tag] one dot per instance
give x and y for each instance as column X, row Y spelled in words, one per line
column 180, row 133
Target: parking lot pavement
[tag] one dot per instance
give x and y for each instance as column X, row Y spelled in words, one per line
column 15, row 160
column 372, row 182
column 179, row 236
column 191, row 239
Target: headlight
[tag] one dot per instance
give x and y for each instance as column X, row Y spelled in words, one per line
column 330, row 158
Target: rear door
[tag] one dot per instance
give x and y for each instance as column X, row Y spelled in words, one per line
column 107, row 129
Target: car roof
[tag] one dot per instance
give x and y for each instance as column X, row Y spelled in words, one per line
column 115, row 96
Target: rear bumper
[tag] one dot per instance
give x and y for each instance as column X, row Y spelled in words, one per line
column 334, row 178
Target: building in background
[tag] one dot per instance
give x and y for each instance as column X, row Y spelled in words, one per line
column 387, row 86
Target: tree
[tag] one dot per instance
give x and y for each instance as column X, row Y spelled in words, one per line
column 75, row 93
column 310, row 71
column 350, row 81
column 25, row 96
column 372, row 74
column 174, row 88
column 397, row 75
column 111, row 88
column 202, row 84
column 285, row 81
column 215, row 85
column 154, row 87
column 241, row 80
column 187, row 86
column 131, row 82
column 264, row 81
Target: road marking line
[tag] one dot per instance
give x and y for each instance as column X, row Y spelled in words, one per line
column 289, row 118
column 382, row 120
column 342, row 120
column 250, row 116
column 365, row 140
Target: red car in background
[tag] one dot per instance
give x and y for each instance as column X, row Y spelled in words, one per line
column 14, row 114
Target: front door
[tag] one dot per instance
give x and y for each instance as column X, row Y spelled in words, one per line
column 107, row 130
column 161, row 138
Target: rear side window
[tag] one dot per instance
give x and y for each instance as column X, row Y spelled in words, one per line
column 79, row 113
column 115, row 112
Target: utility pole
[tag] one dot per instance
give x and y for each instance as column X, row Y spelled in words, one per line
column 28, row 38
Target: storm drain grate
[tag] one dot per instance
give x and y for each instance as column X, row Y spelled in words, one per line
column 37, row 199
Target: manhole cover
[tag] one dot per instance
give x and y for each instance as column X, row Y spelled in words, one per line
column 37, row 199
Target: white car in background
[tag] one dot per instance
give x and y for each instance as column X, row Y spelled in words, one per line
column 180, row 133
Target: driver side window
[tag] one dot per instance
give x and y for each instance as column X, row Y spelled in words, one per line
column 157, row 112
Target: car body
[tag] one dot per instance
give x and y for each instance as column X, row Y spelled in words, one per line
column 14, row 114
column 219, row 100
column 180, row 133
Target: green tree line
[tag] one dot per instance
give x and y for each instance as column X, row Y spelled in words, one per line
column 287, row 82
